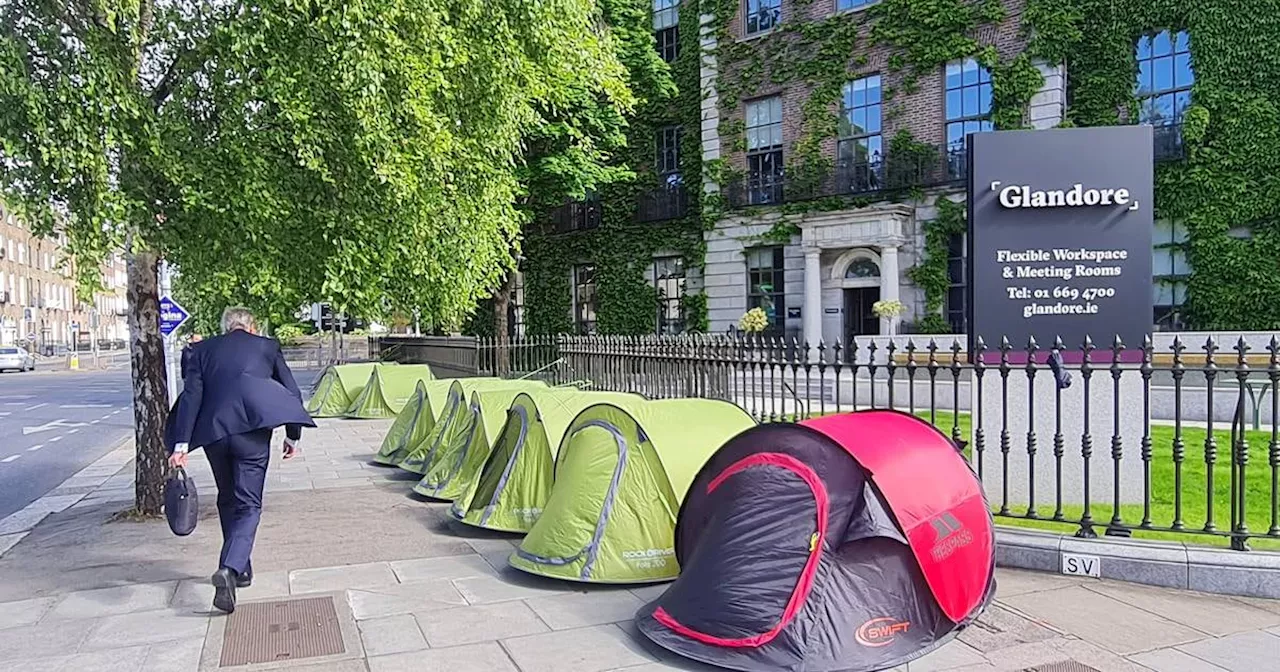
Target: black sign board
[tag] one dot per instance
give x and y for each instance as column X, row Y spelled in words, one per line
column 1060, row 225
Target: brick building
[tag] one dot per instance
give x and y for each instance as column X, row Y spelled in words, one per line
column 816, row 249
column 37, row 294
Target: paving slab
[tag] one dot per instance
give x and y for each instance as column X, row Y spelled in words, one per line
column 594, row 649
column 41, row 641
column 181, row 656
column 113, row 601
column 1245, row 652
column 1173, row 660
column 148, row 627
column 404, row 598
column 1112, row 624
column 579, row 610
column 648, row 594
column 8, row 541
column 25, row 612
column 1012, row 582
column 1212, row 614
column 130, row 659
column 999, row 628
column 392, row 634
column 950, row 656
column 450, row 567
column 488, row 589
column 329, row 579
column 486, row 657
column 196, row 595
column 482, row 623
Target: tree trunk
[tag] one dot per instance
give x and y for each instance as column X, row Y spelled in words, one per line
column 501, row 328
column 150, row 386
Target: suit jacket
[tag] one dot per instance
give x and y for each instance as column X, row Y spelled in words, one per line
column 235, row 383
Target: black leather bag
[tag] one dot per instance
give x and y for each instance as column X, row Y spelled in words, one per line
column 181, row 503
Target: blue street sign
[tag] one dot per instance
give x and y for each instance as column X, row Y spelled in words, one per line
column 172, row 316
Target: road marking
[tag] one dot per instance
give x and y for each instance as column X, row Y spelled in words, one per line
column 35, row 406
column 16, row 396
column 36, row 447
column 94, row 422
column 53, row 424
column 10, row 458
column 85, row 406
column 55, row 439
column 73, row 431
column 3, row 413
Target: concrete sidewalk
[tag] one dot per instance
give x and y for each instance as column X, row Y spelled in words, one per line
column 81, row 591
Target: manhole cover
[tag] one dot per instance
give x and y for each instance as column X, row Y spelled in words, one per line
column 268, row 632
column 1069, row 666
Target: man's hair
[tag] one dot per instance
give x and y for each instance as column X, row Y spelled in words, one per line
column 236, row 317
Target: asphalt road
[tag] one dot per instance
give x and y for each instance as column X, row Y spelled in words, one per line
column 53, row 424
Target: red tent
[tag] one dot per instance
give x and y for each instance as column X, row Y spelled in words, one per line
column 846, row 543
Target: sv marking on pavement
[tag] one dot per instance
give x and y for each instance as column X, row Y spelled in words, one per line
column 55, row 439
column 36, row 447
column 10, row 458
column 35, row 406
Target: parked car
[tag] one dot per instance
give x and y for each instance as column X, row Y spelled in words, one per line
column 16, row 359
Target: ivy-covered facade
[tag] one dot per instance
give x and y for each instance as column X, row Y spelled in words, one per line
column 820, row 161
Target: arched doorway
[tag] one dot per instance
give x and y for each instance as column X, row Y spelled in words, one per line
column 859, row 277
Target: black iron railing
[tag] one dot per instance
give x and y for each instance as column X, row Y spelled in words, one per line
column 575, row 216
column 866, row 177
column 1181, row 439
column 662, row 204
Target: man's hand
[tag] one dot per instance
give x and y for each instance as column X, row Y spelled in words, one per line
column 178, row 460
column 290, row 449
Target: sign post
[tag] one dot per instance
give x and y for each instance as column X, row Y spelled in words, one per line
column 1059, row 247
column 172, row 317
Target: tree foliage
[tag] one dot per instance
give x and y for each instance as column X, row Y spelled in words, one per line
column 364, row 152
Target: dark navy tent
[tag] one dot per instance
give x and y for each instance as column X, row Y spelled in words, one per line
column 847, row 543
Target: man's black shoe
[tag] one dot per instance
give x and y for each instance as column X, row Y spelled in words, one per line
column 224, row 590
column 244, row 580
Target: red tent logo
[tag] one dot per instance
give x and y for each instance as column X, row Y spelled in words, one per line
column 879, row 632
column 951, row 535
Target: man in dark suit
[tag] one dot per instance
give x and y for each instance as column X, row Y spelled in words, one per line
column 237, row 389
column 188, row 353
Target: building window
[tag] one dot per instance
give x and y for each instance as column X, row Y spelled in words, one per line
column 860, row 148
column 862, row 269
column 1171, row 272
column 846, row 5
column 666, row 28
column 584, row 298
column 1164, row 88
column 765, row 287
column 515, row 306
column 668, row 155
column 763, row 15
column 668, row 281
column 764, row 151
column 956, row 293
column 968, row 109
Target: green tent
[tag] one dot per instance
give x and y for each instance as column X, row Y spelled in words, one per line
column 414, row 422
column 510, row 489
column 451, row 418
column 620, row 476
column 338, row 386
column 457, row 461
column 387, row 391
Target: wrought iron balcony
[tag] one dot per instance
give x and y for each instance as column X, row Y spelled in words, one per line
column 576, row 216
column 662, row 204
column 878, row 174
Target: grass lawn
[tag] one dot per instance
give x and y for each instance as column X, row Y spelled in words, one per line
column 1194, row 486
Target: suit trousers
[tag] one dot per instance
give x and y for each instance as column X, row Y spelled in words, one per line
column 239, row 465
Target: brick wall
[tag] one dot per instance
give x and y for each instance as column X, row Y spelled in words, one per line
column 921, row 113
